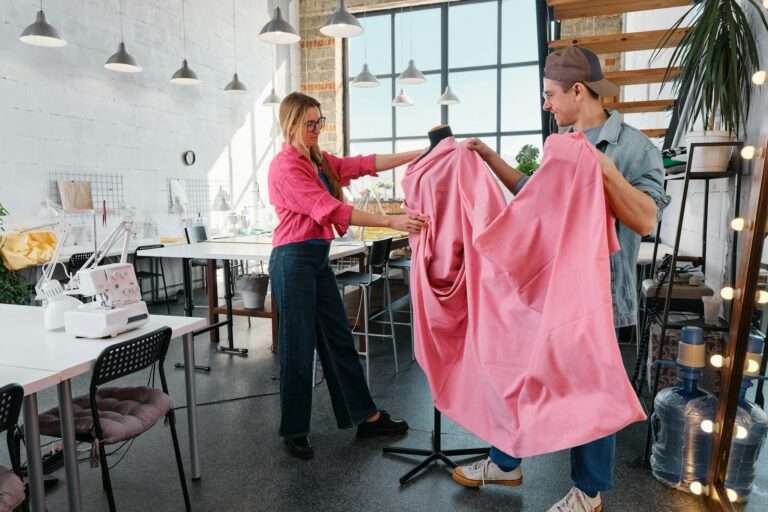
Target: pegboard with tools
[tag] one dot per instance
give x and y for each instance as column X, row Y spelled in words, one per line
column 105, row 188
column 188, row 197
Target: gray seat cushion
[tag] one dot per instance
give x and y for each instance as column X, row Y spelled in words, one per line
column 124, row 413
column 351, row 278
column 11, row 490
column 401, row 263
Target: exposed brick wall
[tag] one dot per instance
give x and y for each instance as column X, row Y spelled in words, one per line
column 597, row 26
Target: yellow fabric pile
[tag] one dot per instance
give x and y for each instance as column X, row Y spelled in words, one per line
column 22, row 250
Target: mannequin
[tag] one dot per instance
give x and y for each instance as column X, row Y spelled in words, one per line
column 437, row 134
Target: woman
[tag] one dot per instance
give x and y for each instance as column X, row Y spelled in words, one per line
column 305, row 189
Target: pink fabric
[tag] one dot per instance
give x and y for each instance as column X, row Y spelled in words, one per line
column 304, row 207
column 513, row 321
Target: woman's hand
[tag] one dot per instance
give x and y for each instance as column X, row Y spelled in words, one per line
column 407, row 223
column 481, row 148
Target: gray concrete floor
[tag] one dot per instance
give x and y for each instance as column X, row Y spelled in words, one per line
column 246, row 468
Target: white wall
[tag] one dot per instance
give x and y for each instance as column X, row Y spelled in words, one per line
column 61, row 111
column 659, row 19
column 757, row 126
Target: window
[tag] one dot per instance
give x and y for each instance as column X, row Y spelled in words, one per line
column 486, row 50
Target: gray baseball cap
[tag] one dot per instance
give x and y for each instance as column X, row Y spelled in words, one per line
column 576, row 64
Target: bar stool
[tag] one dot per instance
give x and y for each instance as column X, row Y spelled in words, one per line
column 156, row 271
column 404, row 265
column 378, row 258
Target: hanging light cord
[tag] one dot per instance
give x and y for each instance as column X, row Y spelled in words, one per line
column 122, row 35
column 184, row 28
column 234, row 32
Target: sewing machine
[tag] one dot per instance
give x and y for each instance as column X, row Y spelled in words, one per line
column 116, row 307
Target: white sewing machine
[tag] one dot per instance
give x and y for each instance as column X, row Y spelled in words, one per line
column 116, row 307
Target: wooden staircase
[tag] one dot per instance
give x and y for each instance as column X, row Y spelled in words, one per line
column 624, row 42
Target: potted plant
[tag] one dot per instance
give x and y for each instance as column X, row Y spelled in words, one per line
column 528, row 159
column 717, row 57
column 13, row 289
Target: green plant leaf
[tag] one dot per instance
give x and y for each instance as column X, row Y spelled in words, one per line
column 717, row 57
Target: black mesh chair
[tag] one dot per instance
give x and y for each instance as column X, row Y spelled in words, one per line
column 378, row 261
column 110, row 415
column 77, row 260
column 12, row 493
column 153, row 271
column 194, row 235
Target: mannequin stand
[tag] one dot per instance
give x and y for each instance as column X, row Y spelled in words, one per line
column 433, row 455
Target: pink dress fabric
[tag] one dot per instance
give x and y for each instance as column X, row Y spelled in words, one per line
column 513, row 323
column 304, row 206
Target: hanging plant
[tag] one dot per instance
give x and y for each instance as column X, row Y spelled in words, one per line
column 717, row 57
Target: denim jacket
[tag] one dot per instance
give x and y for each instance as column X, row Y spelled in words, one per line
column 639, row 161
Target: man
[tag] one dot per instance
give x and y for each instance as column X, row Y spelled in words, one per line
column 633, row 178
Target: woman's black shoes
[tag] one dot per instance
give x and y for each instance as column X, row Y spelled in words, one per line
column 385, row 426
column 300, row 447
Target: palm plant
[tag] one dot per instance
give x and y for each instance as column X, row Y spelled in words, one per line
column 717, row 57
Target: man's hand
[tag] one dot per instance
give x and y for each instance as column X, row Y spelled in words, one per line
column 480, row 148
column 606, row 164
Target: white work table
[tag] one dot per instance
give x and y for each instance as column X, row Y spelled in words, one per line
column 244, row 248
column 253, row 247
column 33, row 381
column 45, row 358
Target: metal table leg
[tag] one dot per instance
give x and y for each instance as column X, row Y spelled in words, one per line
column 189, row 381
column 188, row 306
column 230, row 349
column 34, row 458
column 70, row 447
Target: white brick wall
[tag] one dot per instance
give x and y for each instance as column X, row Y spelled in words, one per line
column 60, row 110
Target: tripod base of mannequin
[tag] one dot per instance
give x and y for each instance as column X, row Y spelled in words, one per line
column 435, row 454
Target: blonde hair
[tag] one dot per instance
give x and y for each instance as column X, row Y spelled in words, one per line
column 293, row 114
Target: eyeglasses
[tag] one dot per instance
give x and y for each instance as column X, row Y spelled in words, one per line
column 315, row 125
column 547, row 95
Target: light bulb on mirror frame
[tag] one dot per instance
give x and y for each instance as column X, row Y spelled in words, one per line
column 729, row 293
column 739, row 223
column 717, row 361
column 762, row 297
column 696, row 488
column 707, row 426
column 759, row 78
column 749, row 152
column 733, row 496
column 752, row 366
column 741, row 432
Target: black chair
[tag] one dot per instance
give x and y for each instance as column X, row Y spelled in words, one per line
column 404, row 265
column 12, row 494
column 197, row 234
column 77, row 260
column 153, row 271
column 378, row 260
column 110, row 415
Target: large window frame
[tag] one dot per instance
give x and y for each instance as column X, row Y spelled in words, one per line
column 443, row 74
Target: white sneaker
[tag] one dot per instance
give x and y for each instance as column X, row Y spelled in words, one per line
column 486, row 472
column 577, row 501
